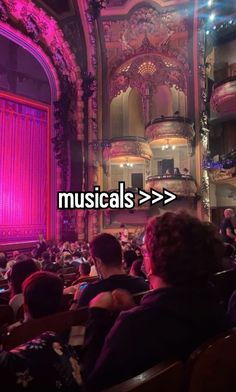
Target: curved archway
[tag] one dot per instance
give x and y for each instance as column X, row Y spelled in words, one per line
column 29, row 176
column 20, row 39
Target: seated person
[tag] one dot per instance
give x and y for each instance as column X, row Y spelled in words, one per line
column 3, row 264
column 44, row 363
column 136, row 269
column 84, row 271
column 19, row 272
column 47, row 264
column 107, row 254
column 42, row 293
column 173, row 319
column 228, row 259
column 129, row 257
column 177, row 172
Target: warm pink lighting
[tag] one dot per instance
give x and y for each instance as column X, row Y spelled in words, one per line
column 24, row 168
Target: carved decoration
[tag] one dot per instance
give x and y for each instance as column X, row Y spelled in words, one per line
column 125, row 37
column 147, row 73
column 168, row 128
column 223, row 99
column 125, row 148
column 217, row 175
column 95, row 7
column 185, row 187
column 45, row 28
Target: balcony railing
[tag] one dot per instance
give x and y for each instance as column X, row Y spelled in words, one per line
column 182, row 185
column 170, row 127
column 222, row 169
column 223, row 98
column 127, row 146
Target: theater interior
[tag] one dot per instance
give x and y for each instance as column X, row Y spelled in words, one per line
column 98, row 92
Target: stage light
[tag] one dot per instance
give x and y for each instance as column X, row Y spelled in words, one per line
column 230, row 22
column 210, row 2
column 207, row 32
column 214, row 27
column 212, row 16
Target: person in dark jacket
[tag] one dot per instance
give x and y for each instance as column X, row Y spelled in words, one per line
column 227, row 229
column 107, row 255
column 178, row 315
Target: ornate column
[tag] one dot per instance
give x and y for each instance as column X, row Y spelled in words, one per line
column 201, row 144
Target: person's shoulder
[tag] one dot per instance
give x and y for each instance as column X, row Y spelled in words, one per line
column 139, row 281
column 135, row 316
column 89, row 292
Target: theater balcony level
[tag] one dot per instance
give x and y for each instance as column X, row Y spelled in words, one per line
column 127, row 147
column 223, row 99
column 178, row 130
column 183, row 186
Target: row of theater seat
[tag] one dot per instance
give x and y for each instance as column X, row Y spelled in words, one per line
column 210, row 368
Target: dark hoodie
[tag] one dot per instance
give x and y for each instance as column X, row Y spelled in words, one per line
column 169, row 324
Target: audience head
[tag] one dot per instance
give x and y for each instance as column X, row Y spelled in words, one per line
column 138, row 252
column 42, row 294
column 181, row 249
column 77, row 255
column 66, row 246
column 41, row 238
column 21, row 257
column 129, row 257
column 15, row 254
column 59, row 260
column 228, row 213
column 10, row 264
column 19, row 272
column 68, row 258
column 106, row 252
column 136, row 269
column 84, row 269
column 46, row 257
column 3, row 260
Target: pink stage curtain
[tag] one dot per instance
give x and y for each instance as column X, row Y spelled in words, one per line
column 23, row 170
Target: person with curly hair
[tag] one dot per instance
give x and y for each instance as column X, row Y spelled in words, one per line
column 174, row 318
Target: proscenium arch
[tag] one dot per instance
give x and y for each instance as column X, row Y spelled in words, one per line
column 36, row 51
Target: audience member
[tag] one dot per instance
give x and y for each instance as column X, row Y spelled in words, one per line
column 41, row 247
column 136, row 269
column 47, row 264
column 107, row 255
column 3, row 262
column 84, row 270
column 227, row 228
column 228, row 258
column 129, row 257
column 179, row 314
column 19, row 272
column 42, row 293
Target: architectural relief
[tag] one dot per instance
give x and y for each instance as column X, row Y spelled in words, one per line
column 147, row 73
column 124, row 148
column 125, row 37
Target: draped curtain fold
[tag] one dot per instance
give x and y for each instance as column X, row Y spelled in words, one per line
column 24, row 138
